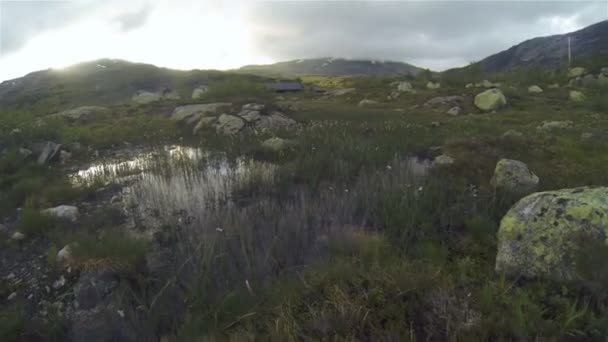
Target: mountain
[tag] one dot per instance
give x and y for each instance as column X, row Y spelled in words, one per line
column 551, row 51
column 101, row 82
column 332, row 67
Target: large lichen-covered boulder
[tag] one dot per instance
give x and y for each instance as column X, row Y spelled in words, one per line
column 490, row 100
column 229, row 124
column 513, row 176
column 541, row 235
column 190, row 114
column 576, row 96
column 576, row 72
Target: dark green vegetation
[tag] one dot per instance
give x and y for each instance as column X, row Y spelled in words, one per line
column 345, row 242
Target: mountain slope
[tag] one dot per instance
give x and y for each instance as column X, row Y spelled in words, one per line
column 332, row 67
column 551, row 51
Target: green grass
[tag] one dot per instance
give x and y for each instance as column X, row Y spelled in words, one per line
column 118, row 250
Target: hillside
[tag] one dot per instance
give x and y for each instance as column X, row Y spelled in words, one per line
column 551, row 51
column 332, row 67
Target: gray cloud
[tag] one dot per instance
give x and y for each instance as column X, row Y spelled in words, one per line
column 134, row 19
column 433, row 33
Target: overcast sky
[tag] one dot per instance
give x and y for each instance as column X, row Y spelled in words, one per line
column 227, row 34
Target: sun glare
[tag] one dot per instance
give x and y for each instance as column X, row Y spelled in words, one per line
column 177, row 38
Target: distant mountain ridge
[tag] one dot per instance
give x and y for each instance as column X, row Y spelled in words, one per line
column 551, row 51
column 333, row 67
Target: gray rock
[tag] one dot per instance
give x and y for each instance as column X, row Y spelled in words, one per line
column 576, row 72
column 204, row 123
column 454, row 111
column 551, row 125
column 191, row 114
column 66, row 212
column 586, row 136
column 59, row 283
column 253, row 106
column 404, row 87
column 277, row 144
column 94, row 288
column 25, row 152
column 535, row 89
column 444, row 101
column 101, row 324
column 12, row 296
column 64, row 256
column 64, row 157
column 274, row 121
column 229, row 124
column 50, row 151
column 553, row 86
column 512, row 134
column 604, row 71
column 589, row 81
column 433, row 85
column 366, row 102
column 82, row 114
column 576, row 96
column 443, row 160
column 145, row 97
column 513, row 176
column 250, row 115
column 199, row 92
column 18, row 236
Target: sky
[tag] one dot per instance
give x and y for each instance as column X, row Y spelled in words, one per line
column 215, row 34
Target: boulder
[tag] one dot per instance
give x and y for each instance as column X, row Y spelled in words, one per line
column 444, row 101
column 469, row 85
column 443, row 160
column 50, row 151
column 204, row 123
column 82, row 114
column 588, row 81
column 366, row 102
column 551, row 125
column 64, row 256
column 454, row 111
column 513, row 176
column 576, row 96
column 66, row 212
column 553, row 86
column 604, row 71
column 276, row 144
column 191, row 114
column 512, row 134
column 24, row 152
column 485, row 84
column 274, row 121
column 535, row 89
column 576, row 72
column 229, row 124
column 144, row 97
column 18, row 236
column 543, row 234
column 404, row 87
column 586, row 135
column 433, row 85
column 94, row 287
column 199, row 92
column 490, row 100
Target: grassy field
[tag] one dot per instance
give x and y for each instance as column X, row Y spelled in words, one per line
column 342, row 240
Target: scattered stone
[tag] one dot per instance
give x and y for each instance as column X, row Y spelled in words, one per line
column 433, row 85
column 49, row 152
column 512, row 134
column 535, row 89
column 443, row 160
column 67, row 212
column 18, row 236
column 551, row 125
column 59, row 283
column 576, row 72
column 191, row 114
column 542, row 234
column 366, row 102
column 12, row 296
column 199, row 92
column 229, row 124
column 64, row 256
column 514, row 177
column 444, row 101
column 277, row 144
column 490, row 100
column 454, row 111
column 82, row 114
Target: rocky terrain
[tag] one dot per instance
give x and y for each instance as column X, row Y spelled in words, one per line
column 144, row 204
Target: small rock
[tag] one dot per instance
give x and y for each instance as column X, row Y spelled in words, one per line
column 586, row 136
column 18, row 236
column 199, row 92
column 64, row 157
column 443, row 160
column 454, row 111
column 67, row 212
column 25, row 152
column 49, row 152
column 433, row 85
column 59, row 283
column 535, row 89
column 576, row 72
column 15, row 131
column 366, row 102
column 512, row 134
column 551, row 125
column 514, row 176
column 576, row 96
column 553, row 86
column 64, row 256
column 115, row 199
column 276, row 144
column 12, row 296
column 435, row 124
